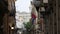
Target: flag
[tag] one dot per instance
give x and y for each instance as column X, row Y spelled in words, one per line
column 33, row 18
column 34, row 14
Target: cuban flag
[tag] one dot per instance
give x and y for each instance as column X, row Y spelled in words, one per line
column 34, row 14
column 33, row 18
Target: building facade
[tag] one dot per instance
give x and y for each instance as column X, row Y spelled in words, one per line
column 54, row 19
column 50, row 16
column 7, row 12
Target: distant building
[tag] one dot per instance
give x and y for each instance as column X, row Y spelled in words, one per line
column 23, row 16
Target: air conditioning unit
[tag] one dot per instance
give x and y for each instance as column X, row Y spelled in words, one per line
column 45, row 1
column 43, row 9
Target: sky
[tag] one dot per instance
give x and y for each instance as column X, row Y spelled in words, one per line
column 23, row 5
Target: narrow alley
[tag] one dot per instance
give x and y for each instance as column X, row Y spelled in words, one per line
column 29, row 17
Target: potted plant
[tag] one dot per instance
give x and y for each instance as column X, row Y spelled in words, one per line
column 28, row 26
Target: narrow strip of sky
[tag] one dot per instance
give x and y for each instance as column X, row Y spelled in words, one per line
column 22, row 5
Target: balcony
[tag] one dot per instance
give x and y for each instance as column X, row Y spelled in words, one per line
column 36, row 3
